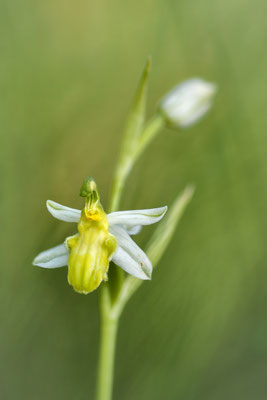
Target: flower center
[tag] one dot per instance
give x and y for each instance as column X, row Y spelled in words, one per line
column 93, row 215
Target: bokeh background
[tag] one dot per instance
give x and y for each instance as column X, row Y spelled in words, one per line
column 68, row 73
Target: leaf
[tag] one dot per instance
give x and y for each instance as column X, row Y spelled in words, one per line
column 135, row 122
column 157, row 244
column 165, row 230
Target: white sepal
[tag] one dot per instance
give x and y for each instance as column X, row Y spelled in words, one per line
column 129, row 256
column 134, row 218
column 53, row 258
column 63, row 213
column 134, row 230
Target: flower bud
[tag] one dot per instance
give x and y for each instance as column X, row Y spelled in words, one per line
column 187, row 102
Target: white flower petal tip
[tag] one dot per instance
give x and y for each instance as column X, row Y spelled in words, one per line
column 129, row 256
column 63, row 213
column 188, row 102
column 134, row 218
column 53, row 258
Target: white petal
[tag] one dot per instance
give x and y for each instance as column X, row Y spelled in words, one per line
column 129, row 256
column 134, row 230
column 132, row 219
column 62, row 212
column 53, row 258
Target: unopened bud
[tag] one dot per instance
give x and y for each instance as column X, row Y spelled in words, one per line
column 188, row 102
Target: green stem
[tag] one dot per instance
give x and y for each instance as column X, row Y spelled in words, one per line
column 117, row 187
column 153, row 127
column 109, row 312
column 108, row 334
column 128, row 158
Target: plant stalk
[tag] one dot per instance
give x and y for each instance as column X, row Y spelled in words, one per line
column 110, row 311
column 108, row 335
column 128, row 159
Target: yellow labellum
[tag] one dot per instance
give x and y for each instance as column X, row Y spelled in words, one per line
column 90, row 251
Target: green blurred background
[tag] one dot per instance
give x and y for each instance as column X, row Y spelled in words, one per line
column 68, row 73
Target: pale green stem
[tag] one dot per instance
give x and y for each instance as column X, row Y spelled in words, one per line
column 110, row 313
column 109, row 327
column 153, row 127
column 108, row 335
column 128, row 158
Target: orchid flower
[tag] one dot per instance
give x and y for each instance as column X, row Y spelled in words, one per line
column 101, row 238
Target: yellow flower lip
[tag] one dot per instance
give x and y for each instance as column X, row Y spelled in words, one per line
column 91, row 250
